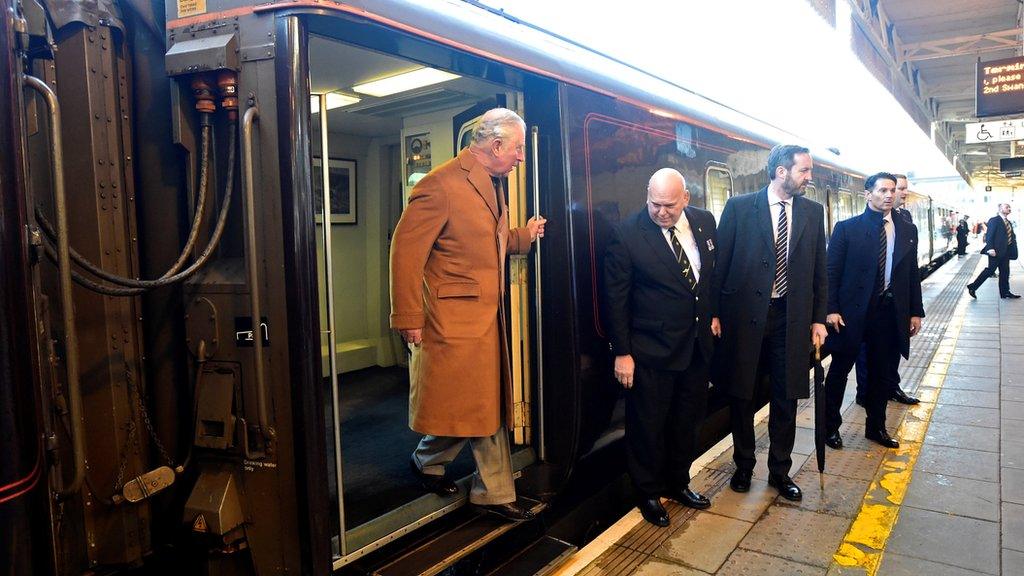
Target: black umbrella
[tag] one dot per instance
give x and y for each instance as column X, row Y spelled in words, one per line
column 819, row 413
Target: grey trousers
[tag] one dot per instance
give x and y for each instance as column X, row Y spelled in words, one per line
column 492, row 481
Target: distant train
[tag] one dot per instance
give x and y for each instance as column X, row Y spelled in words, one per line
column 245, row 411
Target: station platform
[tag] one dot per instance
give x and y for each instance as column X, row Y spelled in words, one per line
column 948, row 502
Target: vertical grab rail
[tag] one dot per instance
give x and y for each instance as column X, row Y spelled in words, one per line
column 66, row 301
column 541, row 452
column 332, row 361
column 251, row 115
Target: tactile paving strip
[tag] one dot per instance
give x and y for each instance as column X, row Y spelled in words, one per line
column 798, row 535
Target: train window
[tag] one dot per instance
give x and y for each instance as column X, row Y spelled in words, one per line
column 846, row 204
column 718, row 189
column 368, row 153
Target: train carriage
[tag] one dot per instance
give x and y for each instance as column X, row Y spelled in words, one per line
column 248, row 410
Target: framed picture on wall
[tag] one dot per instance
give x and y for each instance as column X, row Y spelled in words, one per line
column 341, row 177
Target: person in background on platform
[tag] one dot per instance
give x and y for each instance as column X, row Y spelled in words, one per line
column 897, row 394
column 874, row 298
column 961, row 236
column 657, row 273
column 1001, row 247
column 769, row 301
column 447, row 293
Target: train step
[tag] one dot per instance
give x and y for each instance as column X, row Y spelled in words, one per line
column 446, row 549
column 539, row 559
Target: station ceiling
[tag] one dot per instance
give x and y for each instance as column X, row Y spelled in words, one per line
column 940, row 42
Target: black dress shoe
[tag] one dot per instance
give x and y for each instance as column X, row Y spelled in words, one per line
column 882, row 437
column 740, row 481
column 787, row 488
column 437, row 484
column 1010, row 295
column 652, row 511
column 970, row 290
column 834, row 441
column 689, row 498
column 511, row 511
column 900, row 396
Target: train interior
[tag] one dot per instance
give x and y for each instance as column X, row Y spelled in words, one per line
column 379, row 138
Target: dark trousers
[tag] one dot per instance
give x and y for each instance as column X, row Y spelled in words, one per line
column 1002, row 263
column 862, row 376
column 664, row 412
column 880, row 339
column 782, row 410
column 961, row 244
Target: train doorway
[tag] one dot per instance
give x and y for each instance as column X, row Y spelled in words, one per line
column 378, row 124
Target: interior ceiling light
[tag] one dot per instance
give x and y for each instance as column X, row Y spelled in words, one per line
column 334, row 100
column 403, row 82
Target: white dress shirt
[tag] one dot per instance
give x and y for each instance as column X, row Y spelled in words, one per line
column 775, row 204
column 685, row 235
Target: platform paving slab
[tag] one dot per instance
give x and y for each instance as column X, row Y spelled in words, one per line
column 1012, row 410
column 748, row 506
column 797, row 535
column 1012, row 481
column 963, row 542
column 705, row 542
column 975, row 398
column 749, row 563
column 957, row 436
column 1012, row 454
column 1013, row 562
column 960, row 462
column 900, row 565
column 966, row 415
column 655, row 567
column 841, row 496
column 953, row 495
column 1013, row 526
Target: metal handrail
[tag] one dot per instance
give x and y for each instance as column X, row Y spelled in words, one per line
column 250, row 117
column 74, row 389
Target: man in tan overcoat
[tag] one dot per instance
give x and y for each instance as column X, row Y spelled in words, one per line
column 447, row 293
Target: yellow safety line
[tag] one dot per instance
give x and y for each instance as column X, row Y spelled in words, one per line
column 864, row 543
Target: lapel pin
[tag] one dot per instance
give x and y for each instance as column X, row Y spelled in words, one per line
column 711, row 245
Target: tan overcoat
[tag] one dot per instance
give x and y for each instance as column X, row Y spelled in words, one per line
column 448, row 278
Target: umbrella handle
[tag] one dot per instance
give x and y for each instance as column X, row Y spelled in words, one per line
column 817, row 352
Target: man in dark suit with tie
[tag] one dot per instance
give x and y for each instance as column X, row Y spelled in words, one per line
column 657, row 273
column 768, row 299
column 1001, row 247
column 874, row 299
column 896, row 394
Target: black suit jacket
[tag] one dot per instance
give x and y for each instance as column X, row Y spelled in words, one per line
column 742, row 289
column 652, row 312
column 996, row 238
column 852, row 272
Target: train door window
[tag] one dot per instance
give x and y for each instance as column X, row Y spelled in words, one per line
column 718, row 184
column 845, row 204
column 369, row 151
column 831, row 208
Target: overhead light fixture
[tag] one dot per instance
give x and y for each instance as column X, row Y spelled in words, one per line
column 404, row 82
column 334, row 100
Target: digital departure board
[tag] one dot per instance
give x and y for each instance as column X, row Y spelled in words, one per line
column 1000, row 87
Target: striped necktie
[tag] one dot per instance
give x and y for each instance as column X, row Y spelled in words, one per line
column 677, row 247
column 883, row 252
column 781, row 285
column 1009, row 231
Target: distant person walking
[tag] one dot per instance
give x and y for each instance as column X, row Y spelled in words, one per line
column 1001, row 247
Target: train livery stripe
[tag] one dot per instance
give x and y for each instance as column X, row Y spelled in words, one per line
column 864, row 544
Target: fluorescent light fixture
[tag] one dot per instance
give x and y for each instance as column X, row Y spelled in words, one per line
column 403, row 82
column 334, row 100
